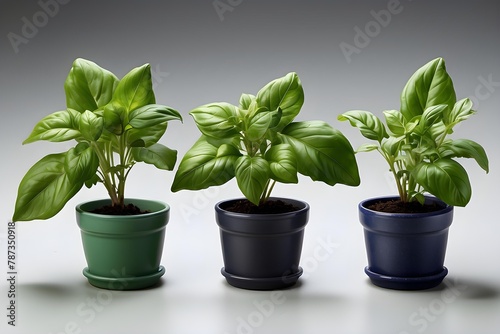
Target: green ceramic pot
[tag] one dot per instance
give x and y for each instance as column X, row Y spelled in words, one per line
column 123, row 252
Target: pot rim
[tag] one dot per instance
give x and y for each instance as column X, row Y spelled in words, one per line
column 405, row 223
column 263, row 224
column 150, row 222
column 363, row 208
column 103, row 201
column 305, row 208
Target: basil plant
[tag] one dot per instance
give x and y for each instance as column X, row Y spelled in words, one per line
column 114, row 123
column 258, row 143
column 415, row 140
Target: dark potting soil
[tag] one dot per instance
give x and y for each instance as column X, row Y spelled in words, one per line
column 127, row 210
column 398, row 206
column 269, row 207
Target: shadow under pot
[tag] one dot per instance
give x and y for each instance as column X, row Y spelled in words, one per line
column 406, row 251
column 262, row 251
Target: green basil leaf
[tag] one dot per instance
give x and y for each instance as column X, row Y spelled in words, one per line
column 151, row 115
column 276, row 119
column 392, row 145
column 285, row 93
column 465, row 148
column 367, row 148
column 252, row 174
column 135, row 89
column 148, row 136
column 395, row 121
column 115, row 118
column 56, row 127
column 431, row 116
column 282, row 163
column 429, row 86
column 216, row 120
column 322, row 153
column 460, row 112
column 205, row 165
column 92, row 181
column 246, row 100
column 259, row 124
column 91, row 126
column 45, row 189
column 371, row 126
column 81, row 163
column 445, row 179
column 88, row 86
column 158, row 155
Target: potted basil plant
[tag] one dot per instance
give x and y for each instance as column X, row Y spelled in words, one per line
column 114, row 124
column 259, row 144
column 406, row 235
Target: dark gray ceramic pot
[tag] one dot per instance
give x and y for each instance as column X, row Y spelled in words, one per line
column 262, row 251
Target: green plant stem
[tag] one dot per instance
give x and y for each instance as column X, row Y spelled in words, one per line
column 104, row 166
column 267, row 190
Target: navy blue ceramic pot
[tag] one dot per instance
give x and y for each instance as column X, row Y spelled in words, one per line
column 262, row 251
column 406, row 251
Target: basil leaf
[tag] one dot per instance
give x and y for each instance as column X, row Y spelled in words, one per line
column 56, row 127
column 252, row 175
column 460, row 112
column 151, row 115
column 282, row 163
column 135, row 89
column 371, row 126
column 246, row 100
column 465, row 148
column 205, row 165
column 259, row 124
column 445, row 179
column 91, row 126
column 88, row 86
column 158, row 155
column 216, row 120
column 431, row 116
column 395, row 121
column 81, row 163
column 45, row 189
column 146, row 136
column 285, row 93
column 429, row 86
column 322, row 153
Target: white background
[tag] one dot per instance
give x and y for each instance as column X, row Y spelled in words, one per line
column 201, row 56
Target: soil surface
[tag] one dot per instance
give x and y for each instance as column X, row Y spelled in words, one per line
column 269, row 207
column 127, row 210
column 397, row 206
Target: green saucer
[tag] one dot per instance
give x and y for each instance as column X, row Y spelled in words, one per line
column 124, row 283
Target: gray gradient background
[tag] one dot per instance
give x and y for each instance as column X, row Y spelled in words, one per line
column 208, row 59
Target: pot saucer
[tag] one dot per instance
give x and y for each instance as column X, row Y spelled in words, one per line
column 406, row 283
column 124, row 283
column 272, row 283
